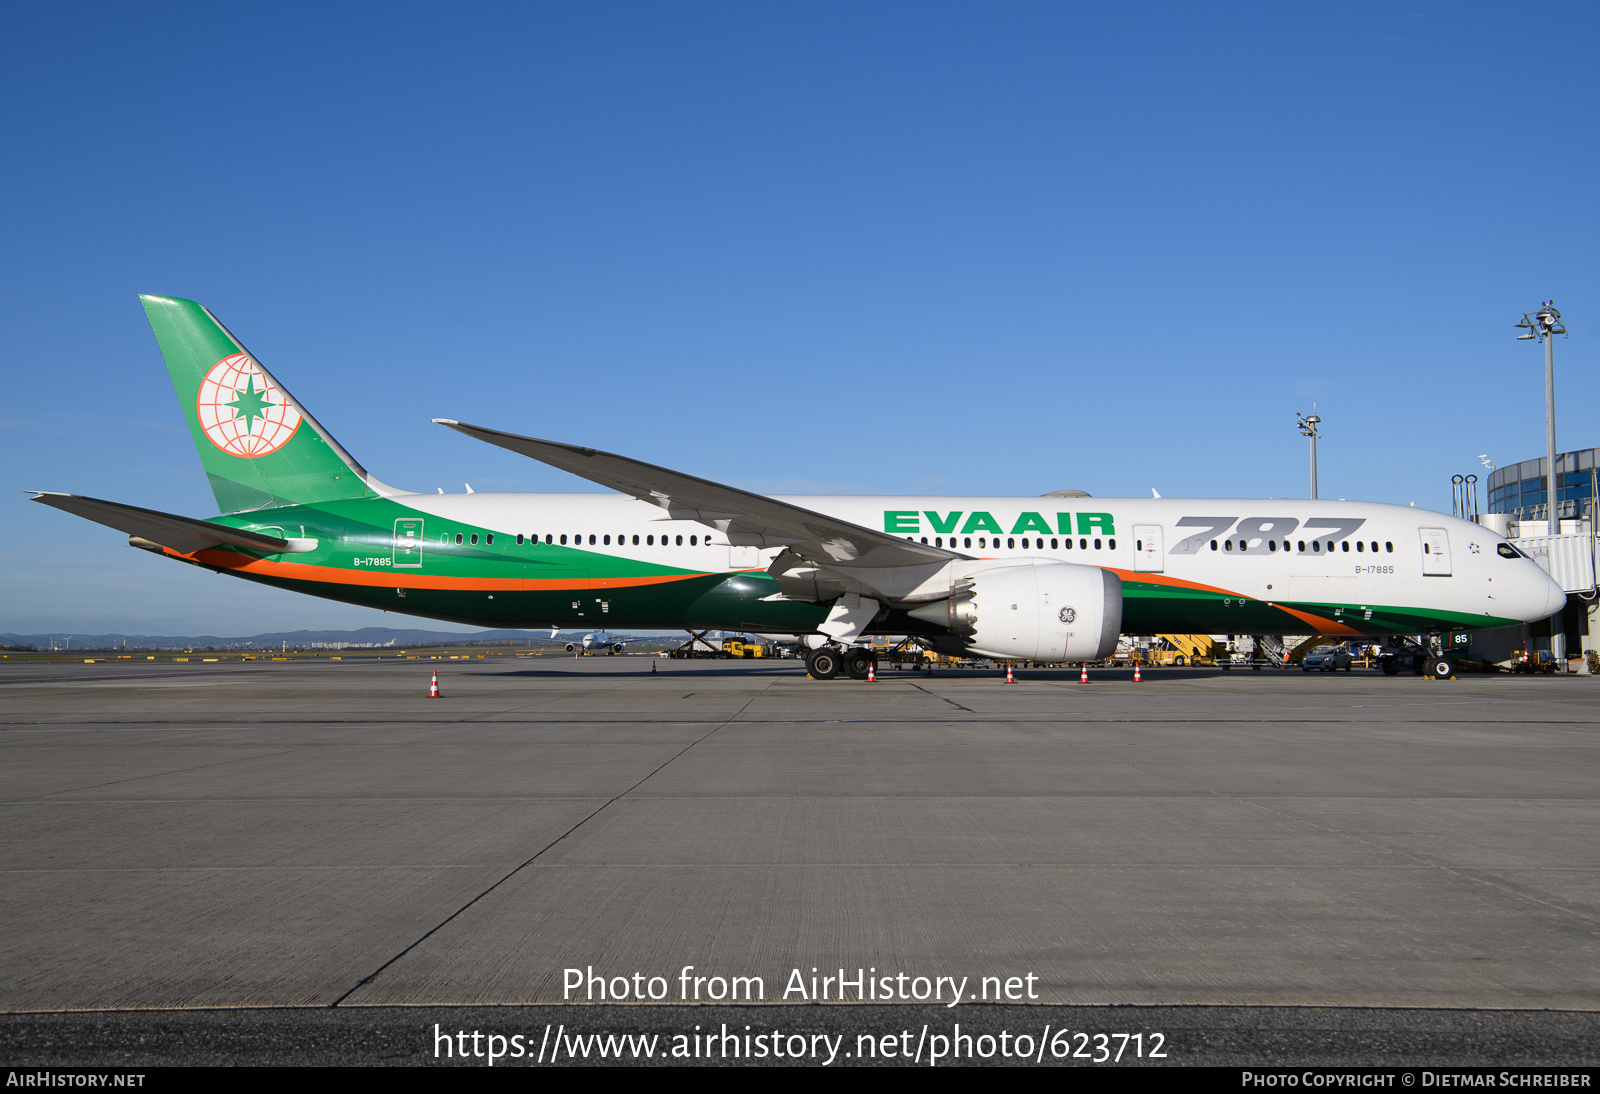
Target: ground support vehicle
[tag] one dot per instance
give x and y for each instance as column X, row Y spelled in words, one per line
column 1524, row 661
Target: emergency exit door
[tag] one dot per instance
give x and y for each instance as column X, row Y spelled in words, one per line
column 1147, row 552
column 408, row 542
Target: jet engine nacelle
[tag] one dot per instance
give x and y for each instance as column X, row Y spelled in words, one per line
column 1040, row 611
column 572, row 647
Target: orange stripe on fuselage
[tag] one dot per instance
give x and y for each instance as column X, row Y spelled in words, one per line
column 396, row 579
column 1322, row 624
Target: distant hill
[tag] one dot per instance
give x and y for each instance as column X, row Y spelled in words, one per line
column 366, row 636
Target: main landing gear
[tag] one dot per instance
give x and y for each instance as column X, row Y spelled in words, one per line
column 827, row 662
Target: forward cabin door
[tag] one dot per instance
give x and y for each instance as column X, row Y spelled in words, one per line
column 1435, row 552
column 1147, row 552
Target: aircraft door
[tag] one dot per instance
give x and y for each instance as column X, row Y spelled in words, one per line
column 1435, row 552
column 1148, row 554
column 408, row 542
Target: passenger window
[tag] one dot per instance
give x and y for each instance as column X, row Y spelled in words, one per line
column 548, row 536
column 1388, row 548
column 519, row 539
column 937, row 542
column 1360, row 546
column 680, row 541
column 649, row 541
column 1227, row 545
column 563, row 539
column 967, row 542
column 489, row 538
column 474, row 539
column 1272, row 545
column 1316, row 545
column 1302, row 545
column 458, row 537
column 1055, row 545
column 1011, row 544
column 591, row 540
column 1345, row 546
column 1111, row 543
column 1213, row 545
column 608, row 541
column 636, row 541
column 1083, row 544
column 924, row 540
column 692, row 541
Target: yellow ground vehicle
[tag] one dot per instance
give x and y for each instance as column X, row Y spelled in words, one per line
column 741, row 646
column 1182, row 649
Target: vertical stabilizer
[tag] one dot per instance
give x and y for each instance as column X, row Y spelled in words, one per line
column 258, row 445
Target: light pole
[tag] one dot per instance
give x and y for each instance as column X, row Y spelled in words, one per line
column 1543, row 325
column 1308, row 426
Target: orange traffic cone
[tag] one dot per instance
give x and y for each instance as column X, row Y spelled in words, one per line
column 1083, row 672
column 433, row 688
column 652, row 666
column 1009, row 678
column 1136, row 672
column 871, row 675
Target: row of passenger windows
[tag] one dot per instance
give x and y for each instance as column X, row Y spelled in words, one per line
column 1317, row 545
column 577, row 540
column 1011, row 543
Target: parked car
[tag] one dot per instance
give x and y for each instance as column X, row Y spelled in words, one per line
column 1328, row 659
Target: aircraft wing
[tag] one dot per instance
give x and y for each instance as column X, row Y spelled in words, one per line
column 183, row 534
column 748, row 520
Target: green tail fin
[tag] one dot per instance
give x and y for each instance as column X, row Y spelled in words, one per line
column 258, row 445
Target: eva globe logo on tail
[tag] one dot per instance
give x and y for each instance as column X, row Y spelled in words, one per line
column 242, row 412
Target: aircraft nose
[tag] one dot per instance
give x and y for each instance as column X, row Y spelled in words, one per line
column 1555, row 595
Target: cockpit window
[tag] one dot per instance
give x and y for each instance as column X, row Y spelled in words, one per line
column 1508, row 551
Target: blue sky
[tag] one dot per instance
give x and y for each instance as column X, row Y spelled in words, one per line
column 947, row 248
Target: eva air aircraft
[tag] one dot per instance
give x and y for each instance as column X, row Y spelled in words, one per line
column 1055, row 578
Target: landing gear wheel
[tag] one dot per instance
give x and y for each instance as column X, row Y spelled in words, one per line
column 1442, row 669
column 856, row 664
column 823, row 664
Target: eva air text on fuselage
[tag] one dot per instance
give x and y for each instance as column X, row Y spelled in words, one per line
column 909, row 521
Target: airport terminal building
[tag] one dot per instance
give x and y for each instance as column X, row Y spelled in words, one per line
column 1520, row 490
column 1519, row 509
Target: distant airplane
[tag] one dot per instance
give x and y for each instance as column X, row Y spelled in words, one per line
column 595, row 640
column 1052, row 579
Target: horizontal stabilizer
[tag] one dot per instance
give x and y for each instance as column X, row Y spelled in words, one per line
column 183, row 534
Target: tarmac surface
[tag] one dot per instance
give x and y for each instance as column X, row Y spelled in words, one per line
column 236, row 839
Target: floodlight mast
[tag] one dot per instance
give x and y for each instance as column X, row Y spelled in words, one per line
column 1543, row 325
column 1308, row 426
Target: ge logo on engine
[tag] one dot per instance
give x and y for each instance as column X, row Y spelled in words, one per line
column 1068, row 615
